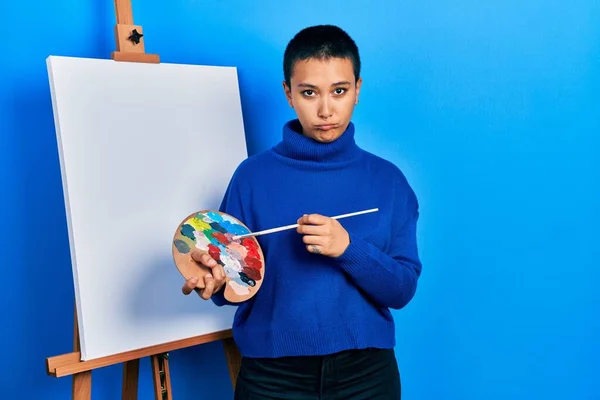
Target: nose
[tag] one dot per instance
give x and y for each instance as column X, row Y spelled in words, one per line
column 325, row 110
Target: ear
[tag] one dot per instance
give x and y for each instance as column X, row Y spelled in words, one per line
column 358, row 86
column 288, row 93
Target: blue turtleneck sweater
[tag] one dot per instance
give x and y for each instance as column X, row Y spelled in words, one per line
column 310, row 304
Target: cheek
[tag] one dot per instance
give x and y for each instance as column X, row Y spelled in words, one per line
column 304, row 107
column 346, row 106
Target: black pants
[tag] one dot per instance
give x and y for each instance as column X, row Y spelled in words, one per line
column 370, row 374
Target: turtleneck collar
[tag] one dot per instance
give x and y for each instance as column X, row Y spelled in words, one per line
column 300, row 148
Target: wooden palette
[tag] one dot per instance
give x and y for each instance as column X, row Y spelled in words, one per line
column 213, row 231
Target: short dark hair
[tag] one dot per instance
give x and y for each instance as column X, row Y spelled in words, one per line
column 320, row 42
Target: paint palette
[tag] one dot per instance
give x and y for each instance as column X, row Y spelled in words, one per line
column 213, row 232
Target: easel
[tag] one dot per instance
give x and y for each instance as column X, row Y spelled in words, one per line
column 130, row 47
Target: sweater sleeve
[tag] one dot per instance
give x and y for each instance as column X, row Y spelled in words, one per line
column 232, row 205
column 389, row 278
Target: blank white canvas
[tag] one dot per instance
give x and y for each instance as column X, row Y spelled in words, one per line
column 141, row 146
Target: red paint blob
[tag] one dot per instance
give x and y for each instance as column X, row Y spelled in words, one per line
column 253, row 263
column 252, row 259
column 252, row 273
column 221, row 238
column 252, row 248
column 214, row 252
column 249, row 244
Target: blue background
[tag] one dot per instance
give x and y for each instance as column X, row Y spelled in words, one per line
column 490, row 108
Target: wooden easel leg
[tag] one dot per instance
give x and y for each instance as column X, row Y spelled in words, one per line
column 161, row 377
column 82, row 382
column 130, row 379
column 234, row 359
column 82, row 386
column 167, row 379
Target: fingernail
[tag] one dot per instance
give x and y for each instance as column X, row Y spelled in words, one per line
column 209, row 276
column 194, row 279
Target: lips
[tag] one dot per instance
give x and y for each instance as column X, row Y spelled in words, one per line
column 326, row 127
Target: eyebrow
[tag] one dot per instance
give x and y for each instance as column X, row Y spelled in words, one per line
column 308, row 85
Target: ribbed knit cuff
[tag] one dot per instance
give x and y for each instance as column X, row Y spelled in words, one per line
column 356, row 256
column 220, row 300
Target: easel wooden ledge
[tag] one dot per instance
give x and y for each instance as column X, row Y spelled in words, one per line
column 130, row 47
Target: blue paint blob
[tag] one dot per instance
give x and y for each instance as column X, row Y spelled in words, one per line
column 188, row 231
column 182, row 246
column 235, row 229
column 223, row 225
column 247, row 280
column 217, row 227
column 214, row 216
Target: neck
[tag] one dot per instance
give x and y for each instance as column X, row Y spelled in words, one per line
column 296, row 146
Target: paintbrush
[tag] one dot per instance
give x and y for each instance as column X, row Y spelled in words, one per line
column 283, row 228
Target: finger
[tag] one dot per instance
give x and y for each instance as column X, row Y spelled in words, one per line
column 189, row 285
column 310, row 239
column 208, row 260
column 311, row 229
column 313, row 219
column 221, row 282
column 209, row 283
column 197, row 255
column 315, row 249
column 199, row 284
column 218, row 274
column 203, row 258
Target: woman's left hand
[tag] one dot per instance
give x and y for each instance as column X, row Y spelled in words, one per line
column 323, row 235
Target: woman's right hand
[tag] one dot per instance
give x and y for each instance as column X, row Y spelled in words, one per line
column 210, row 279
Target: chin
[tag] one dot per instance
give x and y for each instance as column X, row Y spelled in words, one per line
column 326, row 136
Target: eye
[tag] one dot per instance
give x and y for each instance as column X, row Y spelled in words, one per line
column 340, row 91
column 308, row 92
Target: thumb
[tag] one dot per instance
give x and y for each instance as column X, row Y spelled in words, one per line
column 197, row 255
